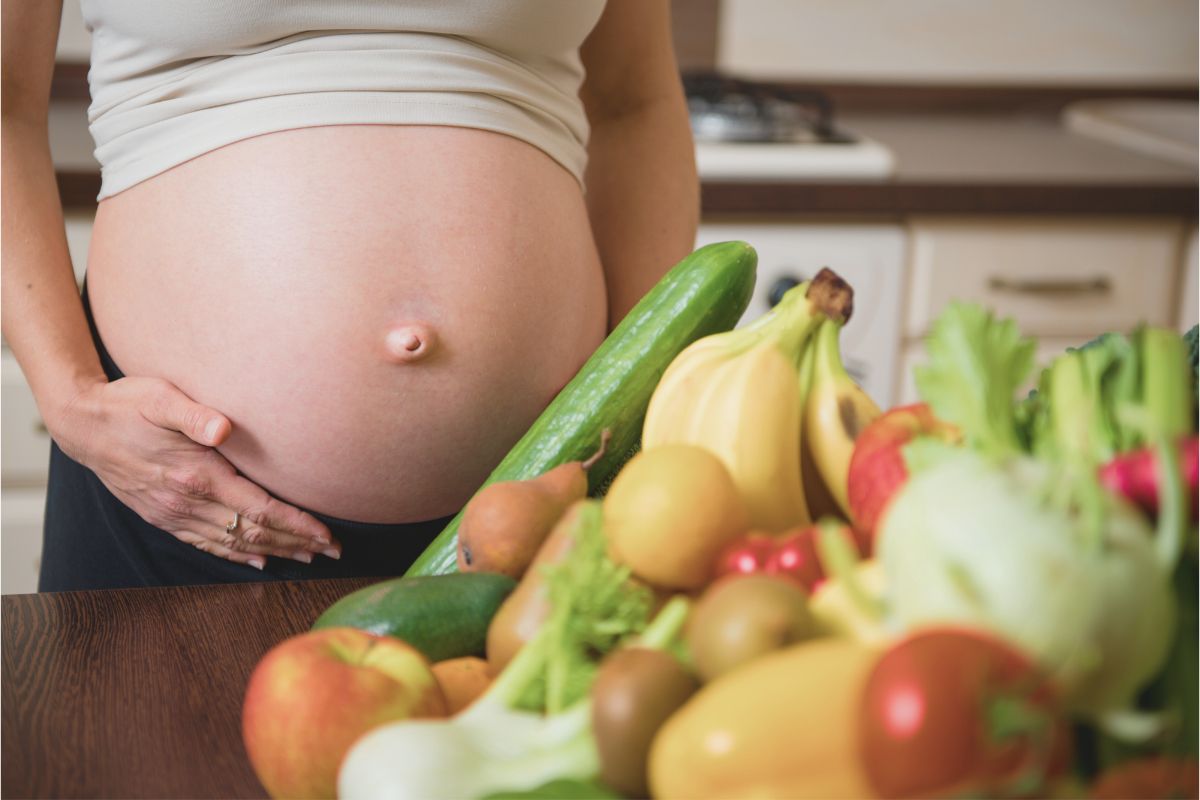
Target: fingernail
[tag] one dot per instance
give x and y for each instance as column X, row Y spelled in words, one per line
column 332, row 552
column 322, row 540
column 300, row 555
column 257, row 563
column 210, row 433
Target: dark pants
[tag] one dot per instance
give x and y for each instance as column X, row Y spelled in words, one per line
column 94, row 541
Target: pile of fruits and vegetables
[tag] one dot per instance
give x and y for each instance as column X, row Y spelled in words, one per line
column 715, row 569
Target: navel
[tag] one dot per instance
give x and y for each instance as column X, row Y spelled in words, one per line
column 409, row 342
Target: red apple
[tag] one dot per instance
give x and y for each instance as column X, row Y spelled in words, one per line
column 314, row 694
column 877, row 467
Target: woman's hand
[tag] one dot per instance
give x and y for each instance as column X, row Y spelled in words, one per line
column 154, row 448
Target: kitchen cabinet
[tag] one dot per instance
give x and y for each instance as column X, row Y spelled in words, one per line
column 1065, row 281
column 1189, row 291
column 24, row 458
column 26, row 449
column 1056, row 277
column 24, row 509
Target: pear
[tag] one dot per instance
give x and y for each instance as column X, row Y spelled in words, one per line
column 505, row 523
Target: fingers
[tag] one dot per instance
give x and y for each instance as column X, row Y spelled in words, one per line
column 205, row 500
column 202, row 495
column 213, row 491
column 261, row 511
column 213, row 547
column 174, row 410
column 214, row 520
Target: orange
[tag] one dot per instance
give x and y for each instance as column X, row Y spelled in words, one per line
column 462, row 680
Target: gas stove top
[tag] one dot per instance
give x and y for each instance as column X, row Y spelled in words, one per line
column 748, row 130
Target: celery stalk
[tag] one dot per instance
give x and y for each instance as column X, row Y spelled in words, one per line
column 1166, row 383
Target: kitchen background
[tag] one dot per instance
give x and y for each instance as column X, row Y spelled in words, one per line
column 1039, row 156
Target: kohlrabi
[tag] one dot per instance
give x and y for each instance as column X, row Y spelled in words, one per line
column 1013, row 531
column 977, row 541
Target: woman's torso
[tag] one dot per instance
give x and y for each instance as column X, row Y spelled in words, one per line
column 263, row 277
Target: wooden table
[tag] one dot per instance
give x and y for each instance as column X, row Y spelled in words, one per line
column 138, row 692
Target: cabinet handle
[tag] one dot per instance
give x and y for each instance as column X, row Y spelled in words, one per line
column 1051, row 287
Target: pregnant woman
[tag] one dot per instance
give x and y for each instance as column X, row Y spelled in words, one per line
column 344, row 255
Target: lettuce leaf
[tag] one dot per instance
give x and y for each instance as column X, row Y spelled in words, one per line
column 976, row 365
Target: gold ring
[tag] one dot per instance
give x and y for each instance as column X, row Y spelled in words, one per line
column 232, row 526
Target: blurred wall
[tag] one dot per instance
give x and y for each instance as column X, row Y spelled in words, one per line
column 74, row 42
column 1064, row 42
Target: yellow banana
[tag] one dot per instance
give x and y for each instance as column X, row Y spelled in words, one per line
column 738, row 394
column 821, row 502
column 835, row 410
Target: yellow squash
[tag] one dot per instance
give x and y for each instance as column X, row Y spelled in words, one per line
column 783, row 725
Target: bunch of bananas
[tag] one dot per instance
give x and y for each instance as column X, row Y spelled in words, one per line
column 774, row 402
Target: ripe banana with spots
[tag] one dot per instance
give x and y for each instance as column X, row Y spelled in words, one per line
column 739, row 395
column 835, row 410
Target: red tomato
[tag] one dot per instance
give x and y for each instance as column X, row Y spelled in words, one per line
column 795, row 556
column 1155, row 777
column 934, row 711
column 791, row 554
column 746, row 555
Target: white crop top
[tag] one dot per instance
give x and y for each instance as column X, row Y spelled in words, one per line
column 173, row 79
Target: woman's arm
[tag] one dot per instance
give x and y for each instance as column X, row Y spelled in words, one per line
column 43, row 318
column 149, row 443
column 642, row 193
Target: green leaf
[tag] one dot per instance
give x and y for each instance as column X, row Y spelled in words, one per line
column 976, row 364
column 594, row 606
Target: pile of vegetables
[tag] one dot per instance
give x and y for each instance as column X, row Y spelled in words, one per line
column 1014, row 531
column 1003, row 606
column 533, row 724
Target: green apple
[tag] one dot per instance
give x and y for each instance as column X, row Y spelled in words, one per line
column 314, row 694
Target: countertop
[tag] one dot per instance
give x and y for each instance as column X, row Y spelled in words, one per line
column 138, row 692
column 977, row 163
column 1008, row 148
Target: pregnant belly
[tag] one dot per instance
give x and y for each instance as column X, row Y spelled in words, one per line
column 278, row 280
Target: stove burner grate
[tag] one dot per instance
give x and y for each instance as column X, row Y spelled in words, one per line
column 726, row 109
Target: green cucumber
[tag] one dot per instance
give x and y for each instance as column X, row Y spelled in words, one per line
column 444, row 616
column 705, row 293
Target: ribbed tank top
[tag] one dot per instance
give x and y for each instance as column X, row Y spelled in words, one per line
column 173, row 80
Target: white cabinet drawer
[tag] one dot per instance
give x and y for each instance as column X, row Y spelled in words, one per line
column 21, row 513
column 1057, row 277
column 914, row 353
column 24, row 441
column 1189, row 295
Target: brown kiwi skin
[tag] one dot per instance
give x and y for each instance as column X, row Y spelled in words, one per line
column 635, row 691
